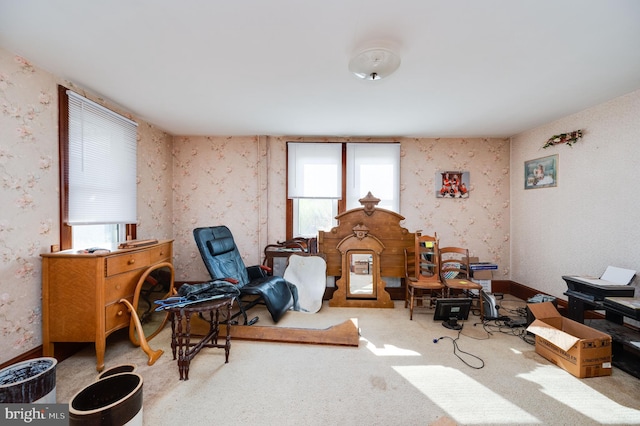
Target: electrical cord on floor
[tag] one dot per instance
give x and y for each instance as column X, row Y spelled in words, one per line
column 527, row 338
column 501, row 325
column 457, row 351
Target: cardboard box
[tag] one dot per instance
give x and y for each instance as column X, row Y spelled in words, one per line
column 481, row 270
column 581, row 350
column 486, row 285
column 482, row 277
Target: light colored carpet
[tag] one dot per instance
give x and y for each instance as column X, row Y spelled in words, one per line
column 396, row 376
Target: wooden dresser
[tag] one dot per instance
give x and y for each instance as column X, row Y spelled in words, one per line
column 80, row 293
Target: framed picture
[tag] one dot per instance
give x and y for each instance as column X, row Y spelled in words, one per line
column 452, row 184
column 541, row 172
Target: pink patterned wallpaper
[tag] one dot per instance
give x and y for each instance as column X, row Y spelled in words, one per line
column 186, row 182
column 29, row 193
column 218, row 181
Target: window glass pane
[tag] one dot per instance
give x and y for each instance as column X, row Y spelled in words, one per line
column 312, row 215
column 103, row 236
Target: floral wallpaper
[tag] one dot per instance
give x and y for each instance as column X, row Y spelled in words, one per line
column 29, row 173
column 190, row 181
column 480, row 222
column 217, row 181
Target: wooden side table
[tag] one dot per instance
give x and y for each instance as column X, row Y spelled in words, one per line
column 181, row 331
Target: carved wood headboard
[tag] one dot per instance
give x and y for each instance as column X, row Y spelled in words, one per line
column 383, row 224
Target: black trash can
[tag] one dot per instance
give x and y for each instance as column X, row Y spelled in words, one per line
column 32, row 381
column 113, row 400
column 122, row 368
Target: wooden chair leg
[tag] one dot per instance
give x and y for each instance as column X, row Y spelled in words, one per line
column 412, row 303
column 406, row 294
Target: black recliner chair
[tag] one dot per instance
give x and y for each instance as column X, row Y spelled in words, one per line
column 223, row 261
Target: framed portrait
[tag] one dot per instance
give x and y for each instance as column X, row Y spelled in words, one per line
column 452, row 184
column 541, row 172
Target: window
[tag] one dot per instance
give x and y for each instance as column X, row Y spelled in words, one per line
column 98, row 173
column 97, row 235
column 325, row 179
column 373, row 167
column 314, row 185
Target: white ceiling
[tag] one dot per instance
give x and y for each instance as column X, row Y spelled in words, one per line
column 279, row 67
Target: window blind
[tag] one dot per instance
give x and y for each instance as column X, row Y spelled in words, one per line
column 101, row 165
column 315, row 170
column 375, row 168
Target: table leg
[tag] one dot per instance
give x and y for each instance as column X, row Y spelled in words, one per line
column 188, row 356
column 173, row 334
column 227, row 346
column 181, row 349
column 213, row 339
column 216, row 326
column 181, row 333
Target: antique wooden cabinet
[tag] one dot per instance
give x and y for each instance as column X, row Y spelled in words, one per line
column 81, row 293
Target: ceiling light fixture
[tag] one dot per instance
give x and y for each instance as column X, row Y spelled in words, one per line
column 374, row 64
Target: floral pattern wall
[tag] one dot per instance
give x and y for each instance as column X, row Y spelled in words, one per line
column 28, row 224
column 29, row 191
column 221, row 181
column 217, row 181
column 479, row 222
column 190, row 181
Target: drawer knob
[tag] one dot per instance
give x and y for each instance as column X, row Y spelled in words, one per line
column 118, row 287
column 120, row 313
column 132, row 261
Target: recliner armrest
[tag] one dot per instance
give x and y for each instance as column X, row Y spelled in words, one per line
column 256, row 272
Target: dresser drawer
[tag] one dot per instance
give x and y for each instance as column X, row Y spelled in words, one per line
column 117, row 316
column 127, row 262
column 122, row 285
column 162, row 253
